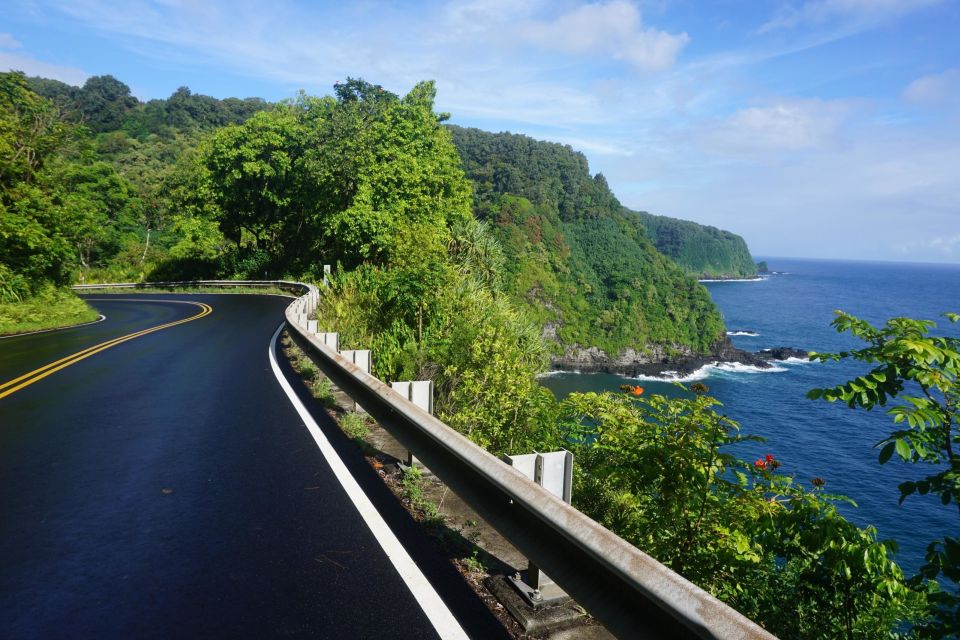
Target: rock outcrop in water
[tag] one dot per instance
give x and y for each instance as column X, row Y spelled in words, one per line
column 661, row 361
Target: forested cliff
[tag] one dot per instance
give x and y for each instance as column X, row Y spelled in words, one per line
column 576, row 259
column 704, row 251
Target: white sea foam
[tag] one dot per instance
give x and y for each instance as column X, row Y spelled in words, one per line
column 554, row 372
column 758, row 279
column 707, row 370
column 736, row 367
column 792, row 360
column 675, row 376
column 752, row 334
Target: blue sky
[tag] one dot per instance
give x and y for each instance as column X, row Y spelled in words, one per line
column 819, row 128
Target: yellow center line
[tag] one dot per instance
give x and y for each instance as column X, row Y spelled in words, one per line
column 38, row 374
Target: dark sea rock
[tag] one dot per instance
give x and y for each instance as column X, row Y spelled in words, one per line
column 782, row 353
column 659, row 360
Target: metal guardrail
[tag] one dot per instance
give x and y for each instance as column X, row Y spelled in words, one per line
column 629, row 592
column 293, row 287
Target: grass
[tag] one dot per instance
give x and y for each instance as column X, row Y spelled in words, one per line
column 320, row 386
column 354, row 424
column 50, row 308
column 322, row 390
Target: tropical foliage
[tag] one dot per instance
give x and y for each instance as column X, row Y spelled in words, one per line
column 920, row 371
column 663, row 474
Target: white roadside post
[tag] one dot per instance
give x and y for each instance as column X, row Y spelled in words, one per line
column 554, row 472
column 420, row 393
column 331, row 340
column 361, row 358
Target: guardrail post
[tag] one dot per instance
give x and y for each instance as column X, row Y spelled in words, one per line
column 331, row 340
column 361, row 358
column 554, row 472
column 326, row 275
column 312, row 327
column 420, row 393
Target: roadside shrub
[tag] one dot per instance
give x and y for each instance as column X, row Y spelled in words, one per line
column 13, row 287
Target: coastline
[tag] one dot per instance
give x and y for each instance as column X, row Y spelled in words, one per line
column 661, row 365
column 733, row 279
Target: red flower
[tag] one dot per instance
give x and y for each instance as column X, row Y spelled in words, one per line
column 769, row 457
column 760, row 464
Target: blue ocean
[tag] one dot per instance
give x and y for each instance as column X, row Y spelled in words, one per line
column 815, row 438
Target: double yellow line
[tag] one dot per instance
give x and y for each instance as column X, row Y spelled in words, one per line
column 27, row 379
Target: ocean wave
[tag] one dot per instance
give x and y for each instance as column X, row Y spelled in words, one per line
column 736, row 367
column 555, row 372
column 760, row 279
column 706, row 370
column 752, row 334
column 794, row 361
column 675, row 376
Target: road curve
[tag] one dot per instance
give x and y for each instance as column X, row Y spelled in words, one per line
column 165, row 487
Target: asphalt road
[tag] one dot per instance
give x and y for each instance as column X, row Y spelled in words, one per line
column 164, row 487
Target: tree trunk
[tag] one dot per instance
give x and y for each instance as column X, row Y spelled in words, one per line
column 146, row 247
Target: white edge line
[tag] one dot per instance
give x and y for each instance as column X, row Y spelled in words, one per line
column 426, row 596
column 73, row 326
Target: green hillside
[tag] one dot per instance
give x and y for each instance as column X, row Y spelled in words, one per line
column 580, row 264
column 704, row 251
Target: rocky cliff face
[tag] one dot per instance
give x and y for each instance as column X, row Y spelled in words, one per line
column 657, row 360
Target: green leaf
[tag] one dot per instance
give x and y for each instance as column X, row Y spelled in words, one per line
column 886, row 452
column 906, row 489
column 903, row 449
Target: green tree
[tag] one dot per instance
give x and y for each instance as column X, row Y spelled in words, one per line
column 31, row 135
column 323, row 179
column 253, row 178
column 104, row 103
column 31, row 131
column 94, row 206
column 921, row 371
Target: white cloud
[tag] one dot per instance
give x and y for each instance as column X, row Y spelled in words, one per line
column 613, row 29
column 787, row 125
column 31, row 67
column 865, row 12
column 946, row 243
column 947, row 247
column 935, row 90
column 7, row 41
column 483, row 18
